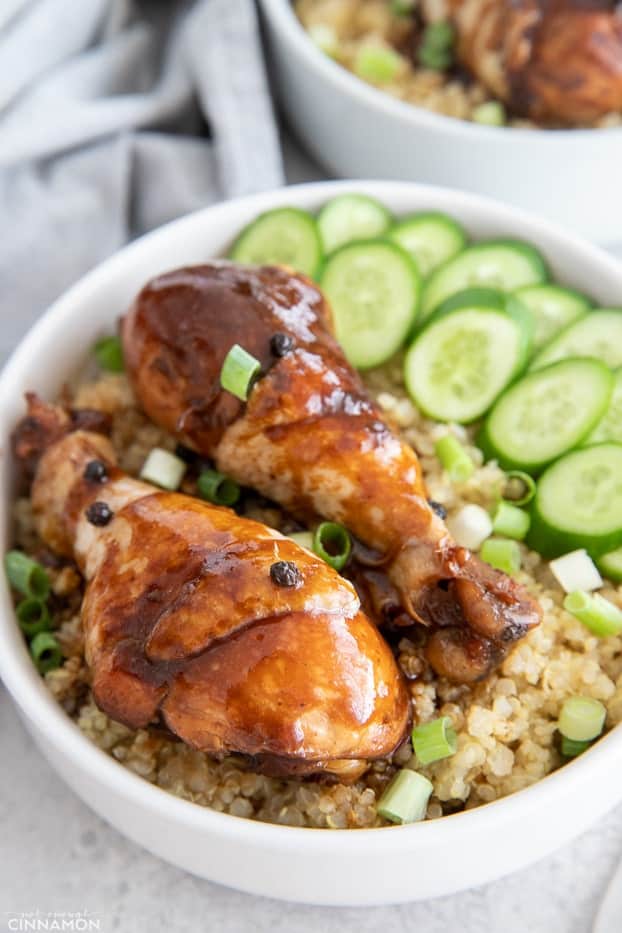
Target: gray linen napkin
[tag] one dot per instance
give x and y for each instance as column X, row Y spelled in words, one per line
column 116, row 116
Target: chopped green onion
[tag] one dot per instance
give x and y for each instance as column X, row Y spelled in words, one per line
column 519, row 488
column 435, row 59
column 303, row 538
column 576, row 571
column 581, row 718
column 33, row 616
column 435, row 50
column 26, row 575
column 333, row 544
column 597, row 613
column 439, row 35
column 325, row 38
column 109, row 354
column 163, row 468
column 218, row 488
column 434, row 740
column 454, row 458
column 492, row 113
column 403, row 7
column 503, row 554
column 239, row 372
column 570, row 749
column 470, row 526
column 46, row 652
column 510, row 521
column 377, row 63
column 406, row 798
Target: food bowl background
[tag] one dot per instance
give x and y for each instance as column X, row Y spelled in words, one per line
column 356, row 867
column 358, row 131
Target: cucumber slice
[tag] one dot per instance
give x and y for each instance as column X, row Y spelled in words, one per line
column 597, row 335
column 502, row 264
column 553, row 308
column 431, row 238
column 609, row 428
column 490, row 298
column 610, row 565
column 374, row 290
column 352, row 217
column 285, row 236
column 546, row 413
column 463, row 359
column 578, row 503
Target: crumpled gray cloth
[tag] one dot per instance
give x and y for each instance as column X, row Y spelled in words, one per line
column 116, row 116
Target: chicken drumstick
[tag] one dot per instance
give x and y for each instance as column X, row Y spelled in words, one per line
column 556, row 61
column 239, row 639
column 310, row 438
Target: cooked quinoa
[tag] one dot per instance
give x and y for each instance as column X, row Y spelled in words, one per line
column 506, row 726
column 342, row 28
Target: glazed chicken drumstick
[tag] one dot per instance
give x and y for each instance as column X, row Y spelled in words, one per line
column 556, row 61
column 238, row 639
column 310, row 438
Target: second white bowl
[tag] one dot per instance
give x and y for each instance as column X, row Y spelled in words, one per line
column 358, row 131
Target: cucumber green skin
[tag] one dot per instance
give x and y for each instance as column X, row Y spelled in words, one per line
column 540, row 359
column 497, row 305
column 431, row 218
column 610, row 565
column 550, row 541
column 582, row 303
column 417, row 285
column 536, row 260
column 591, row 439
column 237, row 250
column 492, row 452
column 336, row 202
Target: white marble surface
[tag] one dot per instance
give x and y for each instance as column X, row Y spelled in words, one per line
column 55, row 855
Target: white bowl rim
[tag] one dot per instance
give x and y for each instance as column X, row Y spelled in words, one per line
column 30, row 694
column 379, row 100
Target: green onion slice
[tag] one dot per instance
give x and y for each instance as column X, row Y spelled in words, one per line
column 333, row 544
column 33, row 616
column 571, row 749
column 163, row 468
column 377, row 63
column 597, row 613
column 519, row 487
column 454, row 458
column 406, row 798
column 403, row 7
column 46, row 652
column 503, row 554
column 434, row 740
column 490, row 113
column 26, row 575
column 510, row 521
column 239, row 372
column 218, row 488
column 581, row 718
column 439, row 35
column 303, row 538
column 109, row 354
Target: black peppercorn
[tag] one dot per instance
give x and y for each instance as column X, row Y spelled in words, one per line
column 96, row 472
column 440, row 510
column 281, row 344
column 99, row 513
column 285, row 573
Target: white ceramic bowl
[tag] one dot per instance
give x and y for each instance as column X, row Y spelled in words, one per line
column 358, row 131
column 316, row 866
